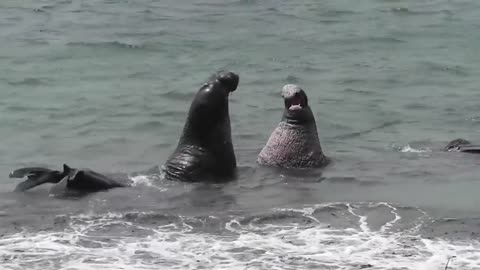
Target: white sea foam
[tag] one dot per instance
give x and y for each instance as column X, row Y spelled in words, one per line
column 240, row 245
column 148, row 180
column 409, row 149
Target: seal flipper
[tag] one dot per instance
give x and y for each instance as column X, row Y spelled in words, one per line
column 70, row 172
column 29, row 171
column 71, row 179
column 67, row 170
column 36, row 180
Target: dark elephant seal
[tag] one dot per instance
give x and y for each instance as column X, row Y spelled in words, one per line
column 70, row 179
column 205, row 150
column 294, row 143
column 462, row 145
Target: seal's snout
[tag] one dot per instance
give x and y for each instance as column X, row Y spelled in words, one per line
column 229, row 79
column 294, row 97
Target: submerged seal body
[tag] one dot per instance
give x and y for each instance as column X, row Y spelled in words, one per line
column 294, row 143
column 205, row 150
column 462, row 145
column 70, row 179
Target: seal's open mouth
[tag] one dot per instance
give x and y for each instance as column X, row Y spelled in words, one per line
column 294, row 98
column 295, row 103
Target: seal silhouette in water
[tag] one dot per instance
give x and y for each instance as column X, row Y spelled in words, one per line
column 205, row 150
column 70, row 179
column 294, row 143
column 462, row 145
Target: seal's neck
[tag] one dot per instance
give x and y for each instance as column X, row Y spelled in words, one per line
column 303, row 117
column 207, row 128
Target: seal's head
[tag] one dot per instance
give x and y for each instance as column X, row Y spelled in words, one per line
column 226, row 79
column 296, row 104
column 212, row 97
column 208, row 118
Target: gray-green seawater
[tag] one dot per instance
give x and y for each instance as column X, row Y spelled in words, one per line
column 107, row 85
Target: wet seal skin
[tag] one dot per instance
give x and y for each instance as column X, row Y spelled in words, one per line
column 462, row 145
column 70, row 179
column 205, row 151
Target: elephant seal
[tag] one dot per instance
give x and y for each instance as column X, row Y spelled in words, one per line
column 70, row 179
column 205, row 150
column 294, row 143
column 462, row 145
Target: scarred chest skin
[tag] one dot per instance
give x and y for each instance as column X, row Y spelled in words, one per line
column 293, row 146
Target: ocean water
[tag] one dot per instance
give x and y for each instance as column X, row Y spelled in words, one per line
column 107, row 84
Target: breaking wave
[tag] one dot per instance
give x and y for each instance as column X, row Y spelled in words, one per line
column 327, row 236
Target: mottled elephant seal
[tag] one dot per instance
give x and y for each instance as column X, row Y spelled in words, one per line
column 294, row 143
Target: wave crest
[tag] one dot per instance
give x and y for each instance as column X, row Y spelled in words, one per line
column 274, row 240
